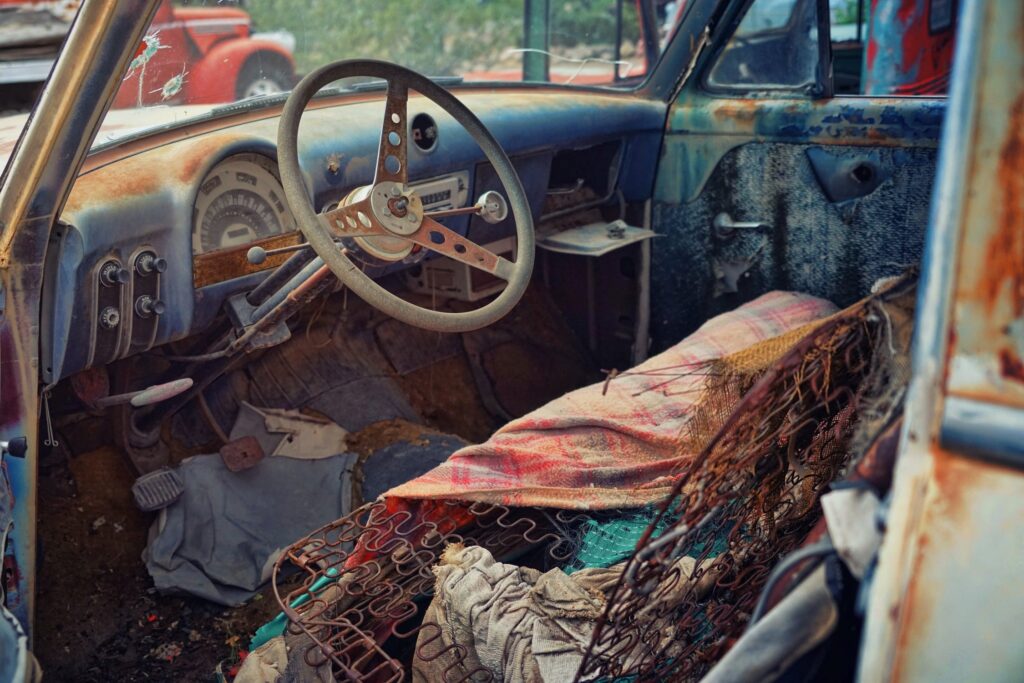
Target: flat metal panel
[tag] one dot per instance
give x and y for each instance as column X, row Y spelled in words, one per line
column 988, row 319
column 961, row 617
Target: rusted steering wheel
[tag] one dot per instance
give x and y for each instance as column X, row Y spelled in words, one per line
column 392, row 210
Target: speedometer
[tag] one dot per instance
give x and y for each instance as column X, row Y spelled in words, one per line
column 240, row 201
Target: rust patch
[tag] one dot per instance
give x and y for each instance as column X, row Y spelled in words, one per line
column 200, row 153
column 1010, row 366
column 877, row 134
column 915, row 610
column 527, row 95
column 121, row 181
column 954, row 479
column 877, row 464
column 227, row 264
column 952, row 475
column 1005, row 262
column 736, row 110
column 146, row 173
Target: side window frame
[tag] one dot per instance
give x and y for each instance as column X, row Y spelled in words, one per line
column 820, row 88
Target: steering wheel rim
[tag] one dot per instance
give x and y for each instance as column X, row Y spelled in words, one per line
column 321, row 230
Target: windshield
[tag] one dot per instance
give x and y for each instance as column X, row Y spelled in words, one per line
column 199, row 56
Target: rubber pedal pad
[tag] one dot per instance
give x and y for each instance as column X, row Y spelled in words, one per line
column 158, row 489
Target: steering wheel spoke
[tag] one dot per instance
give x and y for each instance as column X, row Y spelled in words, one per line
column 442, row 240
column 392, row 154
column 352, row 220
column 392, row 212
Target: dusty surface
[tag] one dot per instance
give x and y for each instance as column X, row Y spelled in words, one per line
column 382, row 434
column 97, row 617
column 444, row 394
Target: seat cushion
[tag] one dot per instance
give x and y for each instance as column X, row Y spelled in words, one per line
column 614, row 444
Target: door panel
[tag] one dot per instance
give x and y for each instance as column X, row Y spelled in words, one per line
column 842, row 187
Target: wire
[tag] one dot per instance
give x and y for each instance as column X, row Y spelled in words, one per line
column 202, row 358
column 224, row 338
column 204, row 408
column 582, row 62
column 817, row 551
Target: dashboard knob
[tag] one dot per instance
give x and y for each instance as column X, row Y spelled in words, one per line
column 111, row 274
column 110, row 317
column 148, row 263
column 256, row 255
column 146, row 306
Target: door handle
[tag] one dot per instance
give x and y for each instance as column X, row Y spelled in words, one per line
column 725, row 226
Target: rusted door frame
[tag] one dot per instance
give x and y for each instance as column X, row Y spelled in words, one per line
column 33, row 189
column 946, row 598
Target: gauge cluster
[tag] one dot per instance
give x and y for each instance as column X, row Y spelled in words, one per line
column 240, row 201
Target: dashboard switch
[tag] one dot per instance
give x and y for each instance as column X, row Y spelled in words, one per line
column 112, row 274
column 146, row 306
column 148, row 263
column 110, row 317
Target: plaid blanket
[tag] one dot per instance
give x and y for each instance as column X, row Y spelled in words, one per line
column 611, row 445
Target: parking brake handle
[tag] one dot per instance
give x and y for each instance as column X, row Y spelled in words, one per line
column 148, row 396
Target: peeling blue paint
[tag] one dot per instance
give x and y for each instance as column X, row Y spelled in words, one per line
column 702, row 129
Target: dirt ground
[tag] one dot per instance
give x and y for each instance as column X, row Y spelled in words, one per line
column 119, row 629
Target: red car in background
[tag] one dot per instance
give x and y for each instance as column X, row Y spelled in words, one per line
column 185, row 57
column 183, row 60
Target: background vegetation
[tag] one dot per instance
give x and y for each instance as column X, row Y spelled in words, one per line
column 438, row 37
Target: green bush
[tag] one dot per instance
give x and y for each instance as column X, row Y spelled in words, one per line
column 438, row 37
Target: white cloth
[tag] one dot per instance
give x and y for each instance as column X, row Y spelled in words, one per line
column 522, row 625
column 519, row 624
column 852, row 517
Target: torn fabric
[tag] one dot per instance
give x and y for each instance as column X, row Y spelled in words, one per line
column 515, row 623
column 282, row 660
column 852, row 517
column 220, row 539
column 289, row 433
column 613, row 445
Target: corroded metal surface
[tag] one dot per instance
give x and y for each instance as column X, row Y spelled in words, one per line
column 962, row 602
column 701, row 130
column 946, row 593
column 35, row 184
column 143, row 191
column 812, row 245
column 393, row 142
column 988, row 322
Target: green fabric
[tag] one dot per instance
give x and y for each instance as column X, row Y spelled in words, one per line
column 607, row 542
column 276, row 626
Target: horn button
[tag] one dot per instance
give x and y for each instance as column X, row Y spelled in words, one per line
column 399, row 212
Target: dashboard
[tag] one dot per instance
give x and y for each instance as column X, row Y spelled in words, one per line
column 154, row 236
